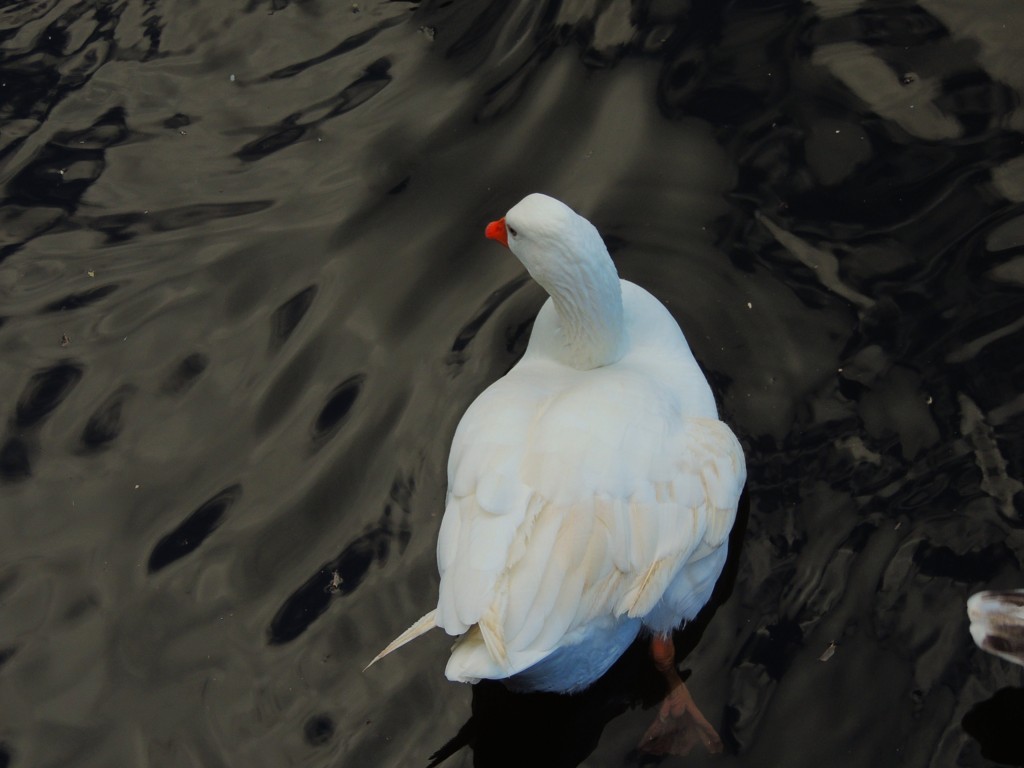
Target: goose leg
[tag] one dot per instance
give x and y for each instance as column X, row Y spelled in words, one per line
column 680, row 724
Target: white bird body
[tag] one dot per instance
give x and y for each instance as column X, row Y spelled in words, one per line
column 997, row 623
column 592, row 489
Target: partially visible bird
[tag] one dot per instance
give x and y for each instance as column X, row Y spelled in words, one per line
column 997, row 623
column 591, row 490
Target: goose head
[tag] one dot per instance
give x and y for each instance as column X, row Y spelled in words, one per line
column 564, row 253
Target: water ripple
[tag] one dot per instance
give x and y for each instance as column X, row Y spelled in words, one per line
column 242, row 247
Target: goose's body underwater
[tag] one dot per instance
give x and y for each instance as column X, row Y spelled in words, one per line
column 591, row 490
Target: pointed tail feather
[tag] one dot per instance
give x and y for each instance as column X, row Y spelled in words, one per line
column 422, row 626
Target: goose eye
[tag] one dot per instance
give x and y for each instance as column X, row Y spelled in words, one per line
column 512, row 231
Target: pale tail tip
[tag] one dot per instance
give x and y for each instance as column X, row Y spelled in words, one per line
column 423, row 625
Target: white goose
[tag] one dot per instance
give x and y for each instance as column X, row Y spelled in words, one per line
column 591, row 490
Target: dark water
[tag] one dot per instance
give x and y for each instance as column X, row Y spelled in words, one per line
column 245, row 297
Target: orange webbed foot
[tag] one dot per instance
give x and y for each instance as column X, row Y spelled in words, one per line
column 680, row 726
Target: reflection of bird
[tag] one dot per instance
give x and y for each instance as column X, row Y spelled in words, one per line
column 997, row 623
column 591, row 490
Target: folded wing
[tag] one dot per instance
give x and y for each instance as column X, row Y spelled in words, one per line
column 536, row 549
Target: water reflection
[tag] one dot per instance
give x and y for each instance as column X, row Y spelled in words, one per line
column 257, row 228
column 994, row 723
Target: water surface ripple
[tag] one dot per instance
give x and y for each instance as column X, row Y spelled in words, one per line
column 245, row 298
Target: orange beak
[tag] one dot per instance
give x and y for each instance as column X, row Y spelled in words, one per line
column 496, row 231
